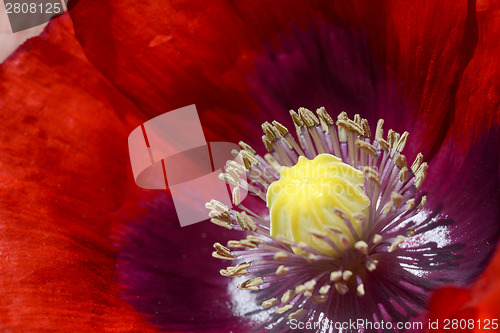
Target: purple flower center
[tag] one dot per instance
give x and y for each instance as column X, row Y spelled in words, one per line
column 367, row 265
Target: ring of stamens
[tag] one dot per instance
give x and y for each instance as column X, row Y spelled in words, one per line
column 390, row 184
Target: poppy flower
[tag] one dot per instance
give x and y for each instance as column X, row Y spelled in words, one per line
column 84, row 249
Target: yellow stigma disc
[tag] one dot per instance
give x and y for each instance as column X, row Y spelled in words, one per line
column 306, row 195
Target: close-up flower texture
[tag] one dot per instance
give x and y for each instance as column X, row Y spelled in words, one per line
column 370, row 152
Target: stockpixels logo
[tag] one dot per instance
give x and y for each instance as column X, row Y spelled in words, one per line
column 170, row 151
column 25, row 14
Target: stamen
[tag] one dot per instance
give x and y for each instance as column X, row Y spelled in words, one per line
column 284, row 309
column 319, row 299
column 237, row 271
column 417, row 162
column 422, row 203
column 267, row 144
column 236, row 198
column 325, row 289
column 335, row 276
column 287, row 296
column 281, row 255
column 362, row 247
column 341, row 288
column 394, row 245
column 281, row 270
column 251, row 284
column 347, row 275
column 221, row 223
column 222, row 252
column 247, row 147
column 360, row 290
column 270, row 302
column 297, row 314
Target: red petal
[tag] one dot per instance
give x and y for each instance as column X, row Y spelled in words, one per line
column 446, row 302
column 478, row 96
column 480, row 302
column 62, row 175
column 486, row 291
column 168, row 55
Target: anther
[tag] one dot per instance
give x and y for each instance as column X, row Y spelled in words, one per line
column 360, row 290
column 236, row 177
column 251, row 284
column 410, row 204
column 410, row 232
column 402, row 142
column 379, row 132
column 335, row 276
column 297, row 314
column 366, row 147
column 371, row 264
column 347, row 275
column 296, row 119
column 267, row 144
column 366, row 128
column 248, row 221
column 282, row 129
column 247, row 243
column 251, row 157
column 236, row 196
column 281, row 270
column 422, row 203
column 270, row 131
column 285, row 241
column 391, row 137
column 325, row 289
column 421, row 174
column 371, row 174
column 400, row 161
column 319, row 299
column 222, row 252
column 308, row 117
column 270, row 302
column 237, row 271
column 403, row 174
column 361, row 246
column 284, row 309
column 396, row 199
column 324, row 116
column 341, row 288
column 388, row 208
column 221, row 223
column 417, row 162
column 254, row 239
column 247, row 147
column 357, row 119
column 383, row 144
column 235, row 165
column 280, row 255
column 240, row 220
column 234, row 244
column 399, row 240
column 287, row 296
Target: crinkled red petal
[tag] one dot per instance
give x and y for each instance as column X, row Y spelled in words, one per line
column 166, row 55
column 62, row 176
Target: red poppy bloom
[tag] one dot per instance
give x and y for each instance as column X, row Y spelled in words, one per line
column 84, row 249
